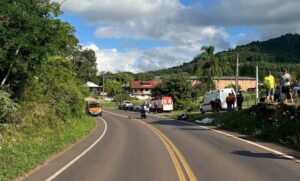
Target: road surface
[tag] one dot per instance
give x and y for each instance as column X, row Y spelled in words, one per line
column 123, row 147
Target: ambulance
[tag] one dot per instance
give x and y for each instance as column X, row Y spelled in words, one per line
column 162, row 104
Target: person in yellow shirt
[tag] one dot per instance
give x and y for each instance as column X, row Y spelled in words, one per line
column 269, row 82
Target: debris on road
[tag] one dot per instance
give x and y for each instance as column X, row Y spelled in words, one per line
column 205, row 121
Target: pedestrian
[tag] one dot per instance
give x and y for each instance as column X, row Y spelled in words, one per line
column 233, row 99
column 213, row 105
column 229, row 101
column 286, row 86
column 239, row 100
column 269, row 82
column 155, row 106
column 218, row 104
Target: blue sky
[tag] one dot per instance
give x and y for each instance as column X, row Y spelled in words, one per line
column 144, row 35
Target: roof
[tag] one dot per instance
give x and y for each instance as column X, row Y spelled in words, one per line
column 145, row 84
column 91, row 85
column 227, row 78
column 233, row 78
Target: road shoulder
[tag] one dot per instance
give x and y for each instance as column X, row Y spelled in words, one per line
column 59, row 160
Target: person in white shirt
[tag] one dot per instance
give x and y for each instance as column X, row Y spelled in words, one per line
column 286, row 86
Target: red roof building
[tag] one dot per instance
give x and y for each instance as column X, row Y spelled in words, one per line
column 142, row 89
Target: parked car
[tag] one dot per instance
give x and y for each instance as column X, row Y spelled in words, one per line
column 209, row 96
column 94, row 108
column 138, row 108
column 108, row 99
column 126, row 105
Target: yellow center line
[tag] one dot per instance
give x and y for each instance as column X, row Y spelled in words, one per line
column 169, row 149
column 172, row 150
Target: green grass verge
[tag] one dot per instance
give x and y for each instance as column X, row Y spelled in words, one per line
column 24, row 148
column 277, row 123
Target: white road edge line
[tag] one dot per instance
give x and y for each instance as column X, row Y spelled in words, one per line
column 79, row 156
column 247, row 141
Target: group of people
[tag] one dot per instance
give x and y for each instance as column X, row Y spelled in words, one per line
column 285, row 92
column 231, row 99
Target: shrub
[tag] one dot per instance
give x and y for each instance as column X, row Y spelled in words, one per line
column 7, row 107
column 187, row 105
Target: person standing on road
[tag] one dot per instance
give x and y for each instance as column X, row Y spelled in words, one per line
column 213, row 105
column 269, row 82
column 286, row 86
column 155, row 106
column 218, row 104
column 239, row 100
column 233, row 100
column 229, row 101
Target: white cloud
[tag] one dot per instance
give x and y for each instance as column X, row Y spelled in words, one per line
column 184, row 27
column 120, row 10
column 139, row 61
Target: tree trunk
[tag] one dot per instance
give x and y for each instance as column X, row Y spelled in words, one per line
column 10, row 67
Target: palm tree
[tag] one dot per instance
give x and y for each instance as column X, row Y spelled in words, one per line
column 207, row 67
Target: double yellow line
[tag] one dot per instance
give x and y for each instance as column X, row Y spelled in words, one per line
column 177, row 158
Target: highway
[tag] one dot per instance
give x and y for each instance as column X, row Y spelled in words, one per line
column 123, row 147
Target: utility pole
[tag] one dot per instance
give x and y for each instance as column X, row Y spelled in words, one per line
column 256, row 87
column 103, row 82
column 237, row 73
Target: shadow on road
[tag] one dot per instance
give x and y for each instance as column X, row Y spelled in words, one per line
column 194, row 129
column 169, row 122
column 258, row 155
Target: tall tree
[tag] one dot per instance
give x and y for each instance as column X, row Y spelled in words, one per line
column 176, row 85
column 113, row 87
column 85, row 65
column 207, row 67
column 30, row 31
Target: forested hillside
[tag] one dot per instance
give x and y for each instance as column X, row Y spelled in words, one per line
column 273, row 54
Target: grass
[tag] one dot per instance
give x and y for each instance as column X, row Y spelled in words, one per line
column 24, row 148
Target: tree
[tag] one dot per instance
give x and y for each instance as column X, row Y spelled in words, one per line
column 29, row 33
column 113, row 87
column 207, row 66
column 55, row 88
column 85, row 65
column 177, row 86
column 124, row 77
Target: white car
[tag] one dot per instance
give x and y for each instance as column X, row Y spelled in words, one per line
column 108, row 99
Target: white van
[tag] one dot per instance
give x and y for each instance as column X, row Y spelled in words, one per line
column 221, row 93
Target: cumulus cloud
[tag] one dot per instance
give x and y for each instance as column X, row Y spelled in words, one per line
column 185, row 27
column 121, row 10
column 142, row 60
column 145, row 19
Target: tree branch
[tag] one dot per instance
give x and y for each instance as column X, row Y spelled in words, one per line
column 10, row 67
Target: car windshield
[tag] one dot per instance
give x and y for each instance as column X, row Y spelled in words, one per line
column 94, row 105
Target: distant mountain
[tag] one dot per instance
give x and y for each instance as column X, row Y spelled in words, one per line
column 283, row 51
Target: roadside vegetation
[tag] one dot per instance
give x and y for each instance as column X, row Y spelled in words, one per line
column 272, row 122
column 42, row 74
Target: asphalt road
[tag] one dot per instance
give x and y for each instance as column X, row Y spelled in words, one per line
column 163, row 150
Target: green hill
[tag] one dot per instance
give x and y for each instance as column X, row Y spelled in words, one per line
column 273, row 54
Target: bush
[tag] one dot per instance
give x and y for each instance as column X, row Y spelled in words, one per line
column 7, row 107
column 187, row 105
column 280, row 123
column 122, row 97
column 55, row 87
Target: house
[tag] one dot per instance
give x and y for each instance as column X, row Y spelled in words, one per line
column 246, row 83
column 142, row 89
column 92, row 86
